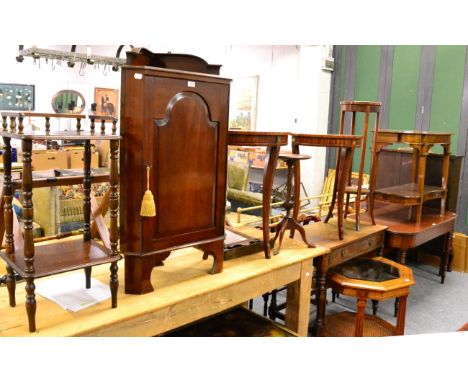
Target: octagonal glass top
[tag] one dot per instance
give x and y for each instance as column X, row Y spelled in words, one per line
column 367, row 269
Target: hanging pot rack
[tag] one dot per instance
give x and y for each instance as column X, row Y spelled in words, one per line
column 72, row 57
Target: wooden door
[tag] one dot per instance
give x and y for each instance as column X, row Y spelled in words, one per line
column 185, row 146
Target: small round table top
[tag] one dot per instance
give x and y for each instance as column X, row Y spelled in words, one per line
column 293, row 157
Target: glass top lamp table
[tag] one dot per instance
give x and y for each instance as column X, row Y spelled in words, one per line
column 375, row 278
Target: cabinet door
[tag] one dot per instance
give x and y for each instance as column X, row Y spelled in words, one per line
column 186, row 148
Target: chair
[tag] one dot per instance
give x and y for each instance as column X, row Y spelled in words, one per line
column 367, row 108
column 237, row 193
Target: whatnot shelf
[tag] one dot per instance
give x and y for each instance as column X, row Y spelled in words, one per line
column 59, row 257
column 60, row 135
column 416, row 192
column 409, row 193
column 20, row 252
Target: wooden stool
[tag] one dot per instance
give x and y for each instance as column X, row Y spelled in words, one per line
column 377, row 279
column 289, row 222
column 367, row 108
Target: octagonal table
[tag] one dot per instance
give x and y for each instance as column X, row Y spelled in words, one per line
column 375, row 278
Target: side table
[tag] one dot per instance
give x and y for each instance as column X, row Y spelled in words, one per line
column 289, row 222
column 416, row 193
column 366, row 108
column 273, row 143
column 404, row 235
column 377, row 279
column 343, row 142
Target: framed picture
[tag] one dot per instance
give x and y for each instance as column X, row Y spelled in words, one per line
column 107, row 101
column 243, row 103
column 16, row 97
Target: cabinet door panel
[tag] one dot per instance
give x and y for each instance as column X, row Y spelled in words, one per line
column 185, row 146
column 187, row 162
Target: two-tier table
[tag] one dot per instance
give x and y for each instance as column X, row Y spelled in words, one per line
column 30, row 262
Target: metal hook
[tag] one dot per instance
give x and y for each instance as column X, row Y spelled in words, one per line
column 105, row 70
column 82, row 68
column 52, row 64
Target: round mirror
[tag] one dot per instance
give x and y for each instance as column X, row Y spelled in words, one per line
column 68, row 102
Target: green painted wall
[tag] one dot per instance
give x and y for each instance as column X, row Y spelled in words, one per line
column 447, row 91
column 366, row 89
column 405, row 84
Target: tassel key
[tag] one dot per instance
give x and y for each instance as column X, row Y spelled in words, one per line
column 148, row 206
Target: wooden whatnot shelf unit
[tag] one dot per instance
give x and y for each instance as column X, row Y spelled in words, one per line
column 57, row 258
column 409, row 193
column 416, row 192
column 49, row 259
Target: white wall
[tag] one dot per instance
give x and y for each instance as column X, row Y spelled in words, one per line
column 48, row 82
column 293, row 91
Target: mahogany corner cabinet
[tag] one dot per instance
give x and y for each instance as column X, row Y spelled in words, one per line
column 174, row 125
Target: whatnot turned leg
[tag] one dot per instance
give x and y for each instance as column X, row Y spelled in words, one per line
column 31, row 303
column 11, row 285
column 87, row 271
column 114, row 283
column 28, row 218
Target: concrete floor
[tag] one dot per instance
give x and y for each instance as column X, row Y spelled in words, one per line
column 432, row 307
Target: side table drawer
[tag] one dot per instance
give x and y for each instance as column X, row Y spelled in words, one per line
column 359, row 248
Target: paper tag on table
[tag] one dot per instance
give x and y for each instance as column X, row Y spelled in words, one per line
column 70, row 292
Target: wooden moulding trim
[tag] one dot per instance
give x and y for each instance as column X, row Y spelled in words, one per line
column 82, row 135
column 103, row 117
column 173, row 73
column 174, row 248
column 47, row 115
column 416, row 137
column 332, row 140
column 253, row 138
column 362, row 107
